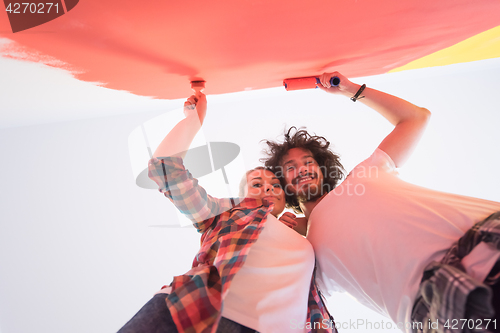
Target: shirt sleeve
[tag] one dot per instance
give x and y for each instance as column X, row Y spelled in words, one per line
column 381, row 160
column 177, row 184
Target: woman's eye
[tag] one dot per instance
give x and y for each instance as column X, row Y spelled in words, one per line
column 277, row 185
column 257, row 185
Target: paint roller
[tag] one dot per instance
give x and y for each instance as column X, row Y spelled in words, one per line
column 197, row 86
column 309, row 82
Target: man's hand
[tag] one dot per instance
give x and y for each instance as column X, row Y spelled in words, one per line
column 289, row 219
column 298, row 224
column 345, row 86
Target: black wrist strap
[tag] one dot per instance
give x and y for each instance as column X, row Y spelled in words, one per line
column 356, row 96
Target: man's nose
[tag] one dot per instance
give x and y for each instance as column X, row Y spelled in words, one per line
column 303, row 171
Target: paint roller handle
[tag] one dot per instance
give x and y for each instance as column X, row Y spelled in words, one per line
column 198, row 101
column 343, row 85
column 334, row 81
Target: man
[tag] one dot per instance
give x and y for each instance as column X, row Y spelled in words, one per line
column 374, row 235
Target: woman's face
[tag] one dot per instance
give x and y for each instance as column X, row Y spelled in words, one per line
column 263, row 184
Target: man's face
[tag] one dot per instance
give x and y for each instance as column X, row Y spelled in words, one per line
column 302, row 174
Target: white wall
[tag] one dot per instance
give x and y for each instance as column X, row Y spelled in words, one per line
column 76, row 252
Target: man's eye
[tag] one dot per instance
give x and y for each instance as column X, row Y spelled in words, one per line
column 288, row 168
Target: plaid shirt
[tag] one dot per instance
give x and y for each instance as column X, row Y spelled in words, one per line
column 447, row 293
column 228, row 230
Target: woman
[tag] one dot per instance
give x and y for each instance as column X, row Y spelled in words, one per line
column 230, row 288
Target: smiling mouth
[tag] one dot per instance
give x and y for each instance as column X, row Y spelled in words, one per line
column 305, row 179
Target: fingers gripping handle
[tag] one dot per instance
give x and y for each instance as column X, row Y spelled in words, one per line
column 309, row 82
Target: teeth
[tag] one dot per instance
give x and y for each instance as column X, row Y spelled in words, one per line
column 305, row 179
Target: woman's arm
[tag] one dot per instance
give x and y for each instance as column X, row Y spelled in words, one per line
column 166, row 169
column 409, row 120
column 178, row 140
column 177, row 184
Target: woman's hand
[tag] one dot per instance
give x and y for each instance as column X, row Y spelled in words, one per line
column 196, row 103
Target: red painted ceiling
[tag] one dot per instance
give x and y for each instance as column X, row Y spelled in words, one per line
column 155, row 47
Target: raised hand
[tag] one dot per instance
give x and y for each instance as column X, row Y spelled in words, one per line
column 196, row 103
column 345, row 86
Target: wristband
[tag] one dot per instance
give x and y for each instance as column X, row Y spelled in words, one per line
column 356, row 96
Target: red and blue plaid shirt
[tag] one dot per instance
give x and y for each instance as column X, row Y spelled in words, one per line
column 229, row 227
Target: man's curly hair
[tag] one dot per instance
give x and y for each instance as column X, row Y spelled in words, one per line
column 329, row 163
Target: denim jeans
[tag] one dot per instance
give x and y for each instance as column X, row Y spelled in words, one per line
column 154, row 317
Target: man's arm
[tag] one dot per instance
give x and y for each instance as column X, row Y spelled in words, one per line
column 178, row 140
column 409, row 120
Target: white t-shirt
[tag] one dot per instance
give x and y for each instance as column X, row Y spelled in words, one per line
column 374, row 234
column 270, row 291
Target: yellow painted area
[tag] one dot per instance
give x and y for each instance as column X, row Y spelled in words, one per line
column 485, row 45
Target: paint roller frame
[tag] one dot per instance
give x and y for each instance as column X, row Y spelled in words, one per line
column 198, row 86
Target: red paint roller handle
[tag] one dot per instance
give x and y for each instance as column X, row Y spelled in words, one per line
column 309, row 82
